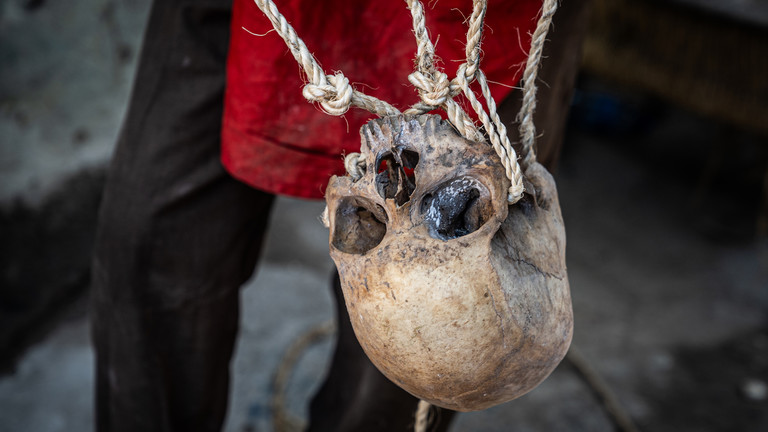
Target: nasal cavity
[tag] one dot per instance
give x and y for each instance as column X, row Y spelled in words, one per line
column 455, row 209
column 395, row 178
column 359, row 225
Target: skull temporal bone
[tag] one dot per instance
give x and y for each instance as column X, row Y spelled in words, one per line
column 455, row 296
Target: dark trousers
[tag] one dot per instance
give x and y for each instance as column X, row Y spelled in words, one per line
column 178, row 236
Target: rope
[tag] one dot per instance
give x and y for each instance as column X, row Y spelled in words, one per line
column 525, row 116
column 618, row 416
column 282, row 420
column 335, row 95
column 422, row 416
column 354, row 163
column 497, row 133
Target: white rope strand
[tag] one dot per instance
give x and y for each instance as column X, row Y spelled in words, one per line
column 474, row 37
column 511, row 166
column 422, row 416
column 525, row 116
column 498, row 138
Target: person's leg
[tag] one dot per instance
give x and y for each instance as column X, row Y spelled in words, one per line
column 355, row 395
column 177, row 236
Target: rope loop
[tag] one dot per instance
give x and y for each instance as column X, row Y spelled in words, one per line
column 463, row 77
column 354, row 163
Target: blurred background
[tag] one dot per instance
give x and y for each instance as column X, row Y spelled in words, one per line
column 663, row 184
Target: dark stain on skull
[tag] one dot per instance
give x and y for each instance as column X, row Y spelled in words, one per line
column 454, row 209
column 395, row 177
column 447, row 159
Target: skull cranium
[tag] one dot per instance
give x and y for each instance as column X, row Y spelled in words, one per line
column 457, row 297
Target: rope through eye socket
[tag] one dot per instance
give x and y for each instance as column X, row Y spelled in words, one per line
column 335, row 95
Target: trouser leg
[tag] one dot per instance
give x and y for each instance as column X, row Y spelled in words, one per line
column 176, row 239
column 355, row 395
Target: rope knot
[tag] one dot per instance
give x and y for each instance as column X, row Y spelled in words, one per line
column 335, row 96
column 434, row 90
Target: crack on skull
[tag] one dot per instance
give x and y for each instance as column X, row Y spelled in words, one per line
column 499, row 316
column 395, row 175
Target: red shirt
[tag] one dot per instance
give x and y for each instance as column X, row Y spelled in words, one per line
column 276, row 141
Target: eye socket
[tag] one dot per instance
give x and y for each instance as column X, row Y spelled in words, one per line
column 360, row 225
column 455, row 208
column 395, row 178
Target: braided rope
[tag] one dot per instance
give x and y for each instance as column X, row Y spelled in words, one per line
column 511, row 165
column 474, row 36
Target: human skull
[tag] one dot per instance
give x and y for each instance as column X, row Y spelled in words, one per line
column 457, row 297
